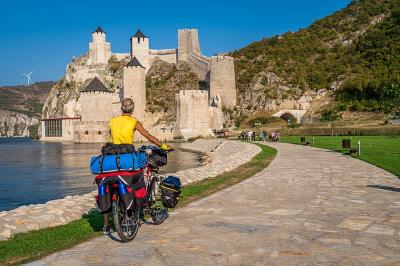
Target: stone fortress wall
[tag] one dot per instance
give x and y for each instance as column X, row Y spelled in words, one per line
column 218, row 71
column 192, row 114
column 96, row 108
column 167, row 55
column 198, row 111
column 189, row 51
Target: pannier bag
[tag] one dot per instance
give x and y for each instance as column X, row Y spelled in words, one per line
column 120, row 162
column 110, row 148
column 130, row 187
column 104, row 198
column 126, row 196
column 158, row 157
column 171, row 189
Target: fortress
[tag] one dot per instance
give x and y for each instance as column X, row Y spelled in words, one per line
column 84, row 119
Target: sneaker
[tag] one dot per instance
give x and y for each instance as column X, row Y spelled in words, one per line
column 107, row 230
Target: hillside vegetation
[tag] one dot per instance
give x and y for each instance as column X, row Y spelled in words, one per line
column 355, row 52
column 20, row 108
column 23, row 99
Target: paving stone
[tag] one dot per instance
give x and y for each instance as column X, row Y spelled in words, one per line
column 381, row 230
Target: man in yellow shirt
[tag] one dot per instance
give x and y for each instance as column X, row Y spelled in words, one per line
column 122, row 129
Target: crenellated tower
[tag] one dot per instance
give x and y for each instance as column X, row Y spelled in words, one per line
column 99, row 49
column 188, row 43
column 222, row 79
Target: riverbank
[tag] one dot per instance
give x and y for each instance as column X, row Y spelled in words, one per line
column 223, row 156
column 35, row 244
column 51, row 171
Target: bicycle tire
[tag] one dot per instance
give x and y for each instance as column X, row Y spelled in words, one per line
column 125, row 225
column 158, row 213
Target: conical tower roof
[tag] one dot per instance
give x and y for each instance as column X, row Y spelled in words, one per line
column 134, row 63
column 95, row 85
column 139, row 34
column 99, row 29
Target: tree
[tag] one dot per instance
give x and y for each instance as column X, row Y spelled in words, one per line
column 390, row 99
column 330, row 116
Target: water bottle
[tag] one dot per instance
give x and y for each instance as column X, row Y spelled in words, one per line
column 102, row 190
column 122, row 189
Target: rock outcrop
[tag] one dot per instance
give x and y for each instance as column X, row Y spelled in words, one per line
column 13, row 124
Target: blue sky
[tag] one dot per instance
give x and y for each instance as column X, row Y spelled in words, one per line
column 43, row 35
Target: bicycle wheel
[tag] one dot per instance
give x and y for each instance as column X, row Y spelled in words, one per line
column 158, row 212
column 126, row 222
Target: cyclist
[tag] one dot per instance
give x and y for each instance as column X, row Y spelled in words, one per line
column 122, row 130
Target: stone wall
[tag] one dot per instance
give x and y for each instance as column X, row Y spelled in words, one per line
column 224, row 156
column 91, row 132
column 97, row 106
column 167, row 55
column 67, row 126
column 122, row 56
column 99, row 49
column 135, row 88
column 222, row 79
column 216, row 118
column 189, row 51
column 201, row 66
column 192, row 114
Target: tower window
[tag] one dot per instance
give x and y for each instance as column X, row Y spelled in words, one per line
column 138, row 40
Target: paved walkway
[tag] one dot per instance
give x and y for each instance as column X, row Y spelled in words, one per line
column 310, row 206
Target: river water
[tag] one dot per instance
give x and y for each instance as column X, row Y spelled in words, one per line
column 33, row 172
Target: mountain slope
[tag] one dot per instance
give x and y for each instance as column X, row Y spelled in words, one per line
column 354, row 47
column 21, row 106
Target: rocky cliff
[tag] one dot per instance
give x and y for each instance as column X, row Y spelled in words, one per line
column 13, row 124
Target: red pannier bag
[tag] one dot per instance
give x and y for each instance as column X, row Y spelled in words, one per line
column 135, row 185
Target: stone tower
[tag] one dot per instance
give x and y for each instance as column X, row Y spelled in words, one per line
column 192, row 114
column 99, row 49
column 140, row 49
column 222, row 79
column 188, row 43
column 135, row 87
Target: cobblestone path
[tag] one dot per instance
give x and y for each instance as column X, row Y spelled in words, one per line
column 310, row 206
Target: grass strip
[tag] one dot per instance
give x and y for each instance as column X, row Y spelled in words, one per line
column 33, row 245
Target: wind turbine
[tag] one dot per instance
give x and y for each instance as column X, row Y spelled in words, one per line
column 28, row 76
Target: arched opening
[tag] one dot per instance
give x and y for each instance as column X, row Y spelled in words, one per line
column 288, row 117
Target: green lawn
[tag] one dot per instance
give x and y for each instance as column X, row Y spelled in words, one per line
column 33, row 245
column 382, row 151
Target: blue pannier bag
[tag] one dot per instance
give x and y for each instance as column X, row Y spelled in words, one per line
column 171, row 189
column 119, row 162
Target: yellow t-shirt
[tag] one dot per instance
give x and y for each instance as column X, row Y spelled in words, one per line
column 122, row 129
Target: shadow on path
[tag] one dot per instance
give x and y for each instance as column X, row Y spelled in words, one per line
column 394, row 189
